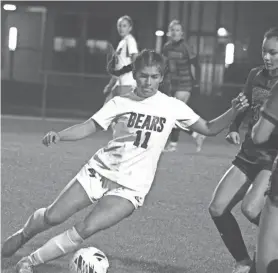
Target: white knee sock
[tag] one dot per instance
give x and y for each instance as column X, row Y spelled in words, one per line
column 57, row 247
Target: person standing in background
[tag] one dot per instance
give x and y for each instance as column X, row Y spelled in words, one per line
column 183, row 73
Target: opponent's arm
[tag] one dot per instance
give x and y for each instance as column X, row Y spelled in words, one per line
column 195, row 70
column 215, row 126
column 194, row 64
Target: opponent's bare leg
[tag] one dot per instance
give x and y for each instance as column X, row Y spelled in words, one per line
column 231, row 190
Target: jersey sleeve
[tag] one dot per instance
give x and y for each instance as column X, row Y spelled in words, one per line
column 270, row 108
column 106, row 114
column 132, row 45
column 185, row 115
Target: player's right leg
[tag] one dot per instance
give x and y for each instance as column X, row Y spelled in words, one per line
column 72, row 199
column 231, row 190
column 253, row 201
column 117, row 204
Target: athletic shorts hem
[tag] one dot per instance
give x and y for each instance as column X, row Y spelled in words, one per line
column 251, row 170
column 96, row 186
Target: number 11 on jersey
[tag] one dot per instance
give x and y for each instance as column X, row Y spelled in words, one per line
column 145, row 140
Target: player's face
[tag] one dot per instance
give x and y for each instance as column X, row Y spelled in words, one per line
column 270, row 53
column 124, row 28
column 176, row 32
column 148, row 80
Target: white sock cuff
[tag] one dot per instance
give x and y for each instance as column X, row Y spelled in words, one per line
column 74, row 236
column 36, row 258
column 194, row 134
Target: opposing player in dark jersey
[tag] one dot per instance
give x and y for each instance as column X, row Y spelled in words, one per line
column 267, row 244
column 247, row 179
column 183, row 71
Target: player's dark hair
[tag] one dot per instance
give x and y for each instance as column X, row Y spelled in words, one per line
column 273, row 32
column 148, row 57
column 127, row 18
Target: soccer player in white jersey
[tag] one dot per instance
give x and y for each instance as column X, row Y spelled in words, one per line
column 120, row 175
column 120, row 67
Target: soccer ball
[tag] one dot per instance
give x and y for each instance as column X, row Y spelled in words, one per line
column 89, row 260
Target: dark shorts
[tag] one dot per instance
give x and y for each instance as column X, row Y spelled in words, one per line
column 272, row 191
column 252, row 159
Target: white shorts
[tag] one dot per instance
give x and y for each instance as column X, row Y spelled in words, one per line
column 96, row 186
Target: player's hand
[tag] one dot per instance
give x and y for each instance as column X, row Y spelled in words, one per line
column 233, row 138
column 50, row 137
column 240, row 103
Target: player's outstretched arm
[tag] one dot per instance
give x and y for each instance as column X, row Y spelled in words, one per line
column 215, row 126
column 75, row 132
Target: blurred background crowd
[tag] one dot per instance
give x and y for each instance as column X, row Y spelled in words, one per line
column 54, row 54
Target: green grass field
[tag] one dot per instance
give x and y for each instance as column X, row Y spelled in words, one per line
column 172, row 233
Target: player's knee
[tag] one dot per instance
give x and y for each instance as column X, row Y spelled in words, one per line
column 216, row 209
column 86, row 230
column 52, row 218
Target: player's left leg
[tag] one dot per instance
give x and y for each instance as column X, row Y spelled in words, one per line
column 267, row 244
column 108, row 211
column 254, row 199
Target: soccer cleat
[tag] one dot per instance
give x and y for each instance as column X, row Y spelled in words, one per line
column 243, row 267
column 25, row 265
column 13, row 243
column 171, row 147
column 199, row 142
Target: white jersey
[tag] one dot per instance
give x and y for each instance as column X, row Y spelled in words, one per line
column 125, row 49
column 141, row 130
